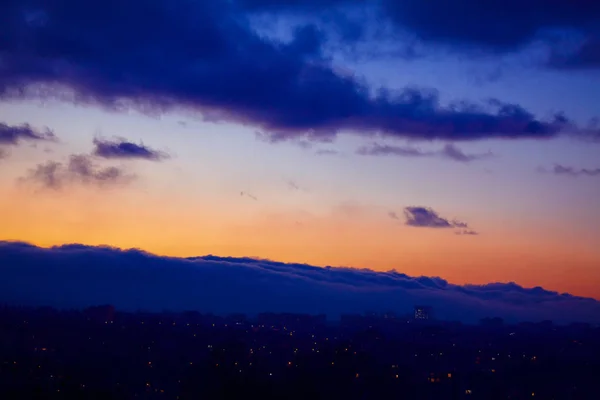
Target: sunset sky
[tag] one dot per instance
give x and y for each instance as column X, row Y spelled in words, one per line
column 307, row 132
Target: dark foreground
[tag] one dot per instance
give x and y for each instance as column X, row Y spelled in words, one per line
column 102, row 354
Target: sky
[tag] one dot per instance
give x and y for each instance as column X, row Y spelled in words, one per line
column 453, row 139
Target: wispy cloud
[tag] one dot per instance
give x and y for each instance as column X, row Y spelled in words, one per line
column 79, row 169
column 449, row 151
column 571, row 171
column 123, row 149
column 293, row 185
column 77, row 276
column 327, row 152
column 377, row 149
column 467, row 232
column 246, row 194
column 454, row 153
column 393, row 215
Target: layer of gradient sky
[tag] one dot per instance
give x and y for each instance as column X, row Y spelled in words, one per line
column 368, row 134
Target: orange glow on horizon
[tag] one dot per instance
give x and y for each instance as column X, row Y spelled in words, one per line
column 361, row 237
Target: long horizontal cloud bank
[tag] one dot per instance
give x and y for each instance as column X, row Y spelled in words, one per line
column 77, row 276
column 204, row 55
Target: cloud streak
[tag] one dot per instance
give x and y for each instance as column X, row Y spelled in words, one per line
column 78, row 276
column 449, row 151
column 452, row 152
column 123, row 149
column 572, row 171
column 246, row 194
column 79, row 169
column 287, row 89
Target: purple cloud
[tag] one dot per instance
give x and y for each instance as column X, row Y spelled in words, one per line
column 79, row 169
column 205, row 56
column 78, row 276
column 122, row 149
column 425, row 217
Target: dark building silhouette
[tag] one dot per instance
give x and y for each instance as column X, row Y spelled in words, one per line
column 423, row 312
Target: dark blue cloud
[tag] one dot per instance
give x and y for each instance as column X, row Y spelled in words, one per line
column 498, row 26
column 586, row 56
column 204, row 55
column 123, row 149
column 78, row 276
column 14, row 134
column 79, row 169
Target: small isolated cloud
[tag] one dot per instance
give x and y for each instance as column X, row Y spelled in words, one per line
column 327, row 152
column 78, row 276
column 14, row 134
column 571, row 171
column 393, row 215
column 425, row 217
column 122, row 149
column 467, row 232
column 246, row 194
column 79, row 169
column 294, row 186
column 449, row 151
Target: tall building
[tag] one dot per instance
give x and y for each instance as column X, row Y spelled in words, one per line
column 422, row 312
